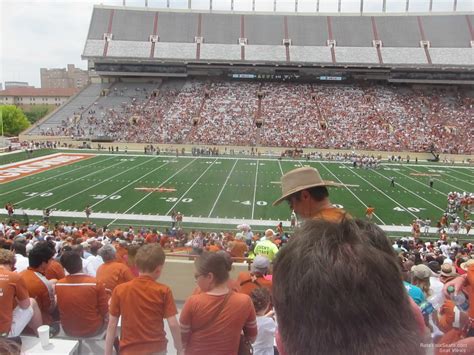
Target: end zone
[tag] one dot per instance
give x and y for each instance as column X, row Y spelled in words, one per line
column 16, row 171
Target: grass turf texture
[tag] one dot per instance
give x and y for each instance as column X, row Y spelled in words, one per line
column 214, row 191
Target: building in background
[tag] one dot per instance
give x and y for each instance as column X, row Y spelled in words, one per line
column 71, row 77
column 16, row 84
column 25, row 97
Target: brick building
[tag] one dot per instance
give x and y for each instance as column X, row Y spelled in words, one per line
column 70, row 77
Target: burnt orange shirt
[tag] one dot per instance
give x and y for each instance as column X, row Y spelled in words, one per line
column 213, row 248
column 332, row 214
column 120, row 255
column 54, row 271
column 12, row 287
column 238, row 249
column 222, row 336
column 82, row 304
column 143, row 303
column 247, row 286
column 113, row 273
column 369, row 210
column 40, row 292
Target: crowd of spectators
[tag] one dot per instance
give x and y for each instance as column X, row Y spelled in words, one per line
column 374, row 117
column 65, row 264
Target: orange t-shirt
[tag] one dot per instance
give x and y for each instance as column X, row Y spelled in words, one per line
column 238, row 249
column 40, row 292
column 12, row 287
column 213, row 248
column 120, row 254
column 247, row 286
column 231, row 285
column 369, row 210
column 82, row 304
column 222, row 336
column 332, row 214
column 143, row 303
column 113, row 273
column 54, row 271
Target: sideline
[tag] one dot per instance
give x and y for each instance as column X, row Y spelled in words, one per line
column 198, row 220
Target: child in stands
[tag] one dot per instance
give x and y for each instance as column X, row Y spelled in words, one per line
column 143, row 303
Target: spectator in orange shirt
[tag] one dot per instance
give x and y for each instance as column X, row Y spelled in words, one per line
column 17, row 310
column 143, row 304
column 112, row 273
column 212, row 321
column 54, row 271
column 238, row 247
column 249, row 281
column 212, row 247
column 369, row 212
column 121, row 251
column 82, row 301
column 39, row 287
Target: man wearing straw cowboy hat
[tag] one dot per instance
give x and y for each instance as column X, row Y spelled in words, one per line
column 308, row 196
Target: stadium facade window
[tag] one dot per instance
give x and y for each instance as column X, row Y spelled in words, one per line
column 243, row 5
column 350, row 6
column 222, row 5
column 328, row 6
column 306, row 5
column 264, row 5
column 181, row 4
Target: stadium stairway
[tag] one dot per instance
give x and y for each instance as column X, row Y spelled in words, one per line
column 78, row 103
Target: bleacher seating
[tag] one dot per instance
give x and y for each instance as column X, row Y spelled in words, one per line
column 379, row 117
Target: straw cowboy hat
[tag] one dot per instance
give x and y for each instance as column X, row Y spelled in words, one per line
column 301, row 179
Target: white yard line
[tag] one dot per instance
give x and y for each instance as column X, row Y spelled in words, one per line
column 471, row 176
column 441, row 181
column 255, row 190
column 279, row 164
column 383, row 193
column 148, row 194
column 222, row 189
column 53, row 177
column 413, row 193
column 70, row 182
column 348, row 189
column 199, row 220
column 265, row 157
column 459, row 168
column 131, row 183
column 99, row 183
column 195, row 182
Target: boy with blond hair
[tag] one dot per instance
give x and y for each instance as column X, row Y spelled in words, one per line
column 143, row 303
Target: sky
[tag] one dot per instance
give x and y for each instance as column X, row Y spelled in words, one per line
column 38, row 34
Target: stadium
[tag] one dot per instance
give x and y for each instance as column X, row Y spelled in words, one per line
column 192, row 117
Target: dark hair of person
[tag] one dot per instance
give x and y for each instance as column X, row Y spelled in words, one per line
column 215, row 263
column 331, row 281
column 261, row 298
column 19, row 248
column 318, row 193
column 41, row 253
column 71, row 261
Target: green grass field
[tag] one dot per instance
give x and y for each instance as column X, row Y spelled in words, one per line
column 214, row 192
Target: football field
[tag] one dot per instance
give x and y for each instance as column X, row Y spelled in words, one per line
column 216, row 192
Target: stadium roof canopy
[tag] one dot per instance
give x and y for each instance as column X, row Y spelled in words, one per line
column 181, row 36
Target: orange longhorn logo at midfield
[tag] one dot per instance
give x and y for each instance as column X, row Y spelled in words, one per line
column 155, row 189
